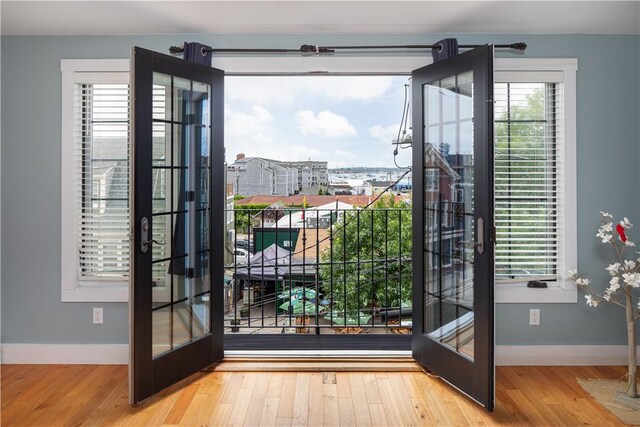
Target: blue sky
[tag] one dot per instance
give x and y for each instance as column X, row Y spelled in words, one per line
column 346, row 120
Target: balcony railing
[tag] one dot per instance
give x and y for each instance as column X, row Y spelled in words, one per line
column 319, row 271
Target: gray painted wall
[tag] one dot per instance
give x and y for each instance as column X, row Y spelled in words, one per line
column 608, row 176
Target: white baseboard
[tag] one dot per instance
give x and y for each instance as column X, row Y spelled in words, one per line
column 65, row 354
column 506, row 355
column 562, row 355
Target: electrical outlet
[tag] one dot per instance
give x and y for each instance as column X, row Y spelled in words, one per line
column 534, row 316
column 98, row 318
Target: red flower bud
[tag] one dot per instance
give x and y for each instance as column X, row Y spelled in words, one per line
column 620, row 230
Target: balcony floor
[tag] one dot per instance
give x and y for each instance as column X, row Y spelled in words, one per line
column 97, row 395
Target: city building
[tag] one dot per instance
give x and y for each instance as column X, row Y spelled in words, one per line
column 252, row 176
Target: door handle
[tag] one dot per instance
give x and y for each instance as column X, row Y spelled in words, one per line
column 480, row 240
column 144, row 235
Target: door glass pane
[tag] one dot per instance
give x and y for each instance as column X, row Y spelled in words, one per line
column 180, row 225
column 449, row 212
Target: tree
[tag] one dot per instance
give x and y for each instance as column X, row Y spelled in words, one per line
column 625, row 279
column 370, row 260
column 243, row 214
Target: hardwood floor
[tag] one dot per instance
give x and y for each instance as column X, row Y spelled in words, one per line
column 48, row 395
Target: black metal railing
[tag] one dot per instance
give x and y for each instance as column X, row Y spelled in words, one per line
column 319, row 270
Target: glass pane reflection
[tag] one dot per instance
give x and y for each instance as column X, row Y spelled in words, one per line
column 449, row 212
column 180, row 225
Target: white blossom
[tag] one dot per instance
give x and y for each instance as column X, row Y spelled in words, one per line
column 614, row 287
column 629, row 264
column 615, row 281
column 625, row 223
column 632, row 279
column 606, row 237
column 607, row 297
column 613, row 268
column 629, row 243
column 582, row 281
column 591, row 301
column 604, row 232
column 605, row 214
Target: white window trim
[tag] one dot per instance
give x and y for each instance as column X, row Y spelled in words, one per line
column 72, row 288
column 561, row 291
column 560, row 70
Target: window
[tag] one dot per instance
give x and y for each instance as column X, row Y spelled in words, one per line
column 534, row 183
column 527, row 138
column 95, row 181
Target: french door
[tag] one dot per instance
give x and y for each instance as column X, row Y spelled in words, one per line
column 177, row 220
column 453, row 221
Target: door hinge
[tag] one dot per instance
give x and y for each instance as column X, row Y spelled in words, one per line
column 190, row 196
column 190, row 273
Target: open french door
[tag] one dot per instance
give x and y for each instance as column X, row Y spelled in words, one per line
column 177, row 220
column 453, row 221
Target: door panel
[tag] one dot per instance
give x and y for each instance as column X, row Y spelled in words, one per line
column 178, row 170
column 453, row 214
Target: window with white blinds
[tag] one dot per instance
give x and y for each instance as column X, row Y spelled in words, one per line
column 528, row 121
column 101, row 185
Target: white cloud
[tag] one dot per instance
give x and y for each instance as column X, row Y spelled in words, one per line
column 243, row 130
column 261, row 90
column 283, row 91
column 325, row 123
column 385, row 134
column 360, row 88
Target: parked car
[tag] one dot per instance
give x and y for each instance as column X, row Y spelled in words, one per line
column 240, row 256
column 245, row 244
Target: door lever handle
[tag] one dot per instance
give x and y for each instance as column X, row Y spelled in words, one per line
column 480, row 234
column 144, row 235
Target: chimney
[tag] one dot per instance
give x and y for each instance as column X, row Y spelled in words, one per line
column 239, row 156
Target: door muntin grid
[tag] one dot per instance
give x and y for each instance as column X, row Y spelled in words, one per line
column 180, row 220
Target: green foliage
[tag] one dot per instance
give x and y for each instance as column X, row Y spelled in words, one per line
column 238, row 197
column 380, row 237
column 243, row 214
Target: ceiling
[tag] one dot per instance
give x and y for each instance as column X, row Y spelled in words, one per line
column 306, row 16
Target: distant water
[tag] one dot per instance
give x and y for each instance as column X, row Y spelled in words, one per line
column 356, row 179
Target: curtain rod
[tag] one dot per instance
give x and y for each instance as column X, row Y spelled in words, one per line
column 318, row 50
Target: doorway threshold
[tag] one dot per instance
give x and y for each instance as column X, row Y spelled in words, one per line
column 317, row 361
column 315, row 354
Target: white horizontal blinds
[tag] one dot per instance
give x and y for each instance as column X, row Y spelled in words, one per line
column 527, row 116
column 101, row 156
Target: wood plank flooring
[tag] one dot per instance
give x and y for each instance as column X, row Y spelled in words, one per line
column 88, row 395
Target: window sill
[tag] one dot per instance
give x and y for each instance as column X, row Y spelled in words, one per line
column 96, row 294
column 519, row 293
